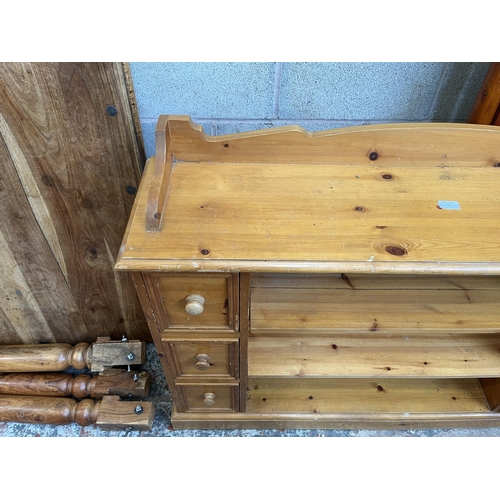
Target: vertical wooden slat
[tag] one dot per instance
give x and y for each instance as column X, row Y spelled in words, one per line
column 244, row 331
column 72, row 166
column 486, row 108
column 134, row 114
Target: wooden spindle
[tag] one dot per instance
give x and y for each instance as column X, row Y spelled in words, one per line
column 97, row 357
column 110, row 413
column 43, row 357
column 45, row 384
column 46, row 410
column 110, row 382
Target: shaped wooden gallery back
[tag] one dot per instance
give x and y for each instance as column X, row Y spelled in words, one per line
column 178, row 139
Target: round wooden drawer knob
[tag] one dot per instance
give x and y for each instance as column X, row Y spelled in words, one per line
column 202, row 362
column 209, row 398
column 194, row 304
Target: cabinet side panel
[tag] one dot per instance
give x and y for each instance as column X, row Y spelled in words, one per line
column 491, row 389
column 141, row 285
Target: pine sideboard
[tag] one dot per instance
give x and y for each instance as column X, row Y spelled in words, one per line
column 340, row 279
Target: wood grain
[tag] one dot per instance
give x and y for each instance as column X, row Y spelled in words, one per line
column 369, row 396
column 486, row 106
column 64, row 204
column 393, row 322
column 222, row 358
column 394, row 144
column 19, row 358
column 110, row 413
column 97, row 357
column 491, row 389
column 345, row 420
column 114, row 414
column 220, row 291
column 48, row 410
column 163, row 170
column 341, row 281
column 275, row 310
column 245, row 279
column 127, row 74
column 364, row 355
column 110, row 382
column 226, row 397
column 245, row 213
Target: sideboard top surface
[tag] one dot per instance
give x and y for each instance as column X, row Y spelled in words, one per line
column 405, row 198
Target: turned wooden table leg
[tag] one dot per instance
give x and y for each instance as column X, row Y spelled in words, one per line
column 43, row 357
column 110, row 413
column 109, row 382
column 58, row 357
column 46, row 410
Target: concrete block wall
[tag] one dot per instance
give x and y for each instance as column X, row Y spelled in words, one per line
column 234, row 97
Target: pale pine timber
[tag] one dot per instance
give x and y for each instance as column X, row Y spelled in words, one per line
column 352, row 214
column 347, row 420
column 213, row 358
column 275, row 310
column 365, row 396
column 365, row 355
column 357, row 284
column 170, row 293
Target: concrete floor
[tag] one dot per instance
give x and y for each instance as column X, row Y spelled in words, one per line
column 161, row 427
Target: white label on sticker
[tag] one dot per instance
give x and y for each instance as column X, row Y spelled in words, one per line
column 449, row 205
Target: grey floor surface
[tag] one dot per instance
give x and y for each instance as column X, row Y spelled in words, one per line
column 160, row 395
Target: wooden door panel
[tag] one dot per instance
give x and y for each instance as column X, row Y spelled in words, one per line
column 69, row 171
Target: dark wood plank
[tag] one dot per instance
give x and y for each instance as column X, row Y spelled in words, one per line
column 77, row 165
column 491, row 389
column 36, row 303
column 486, row 107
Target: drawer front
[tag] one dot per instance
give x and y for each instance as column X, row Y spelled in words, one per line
column 194, row 300
column 378, row 304
column 208, row 398
column 204, row 359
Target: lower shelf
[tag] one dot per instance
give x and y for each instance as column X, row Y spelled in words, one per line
column 356, row 404
column 281, row 395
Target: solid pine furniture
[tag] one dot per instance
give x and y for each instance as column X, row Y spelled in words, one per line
column 341, row 279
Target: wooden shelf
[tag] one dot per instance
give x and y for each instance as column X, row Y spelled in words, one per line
column 274, row 310
column 365, row 396
column 375, row 355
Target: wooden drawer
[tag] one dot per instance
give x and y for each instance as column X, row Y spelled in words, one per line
column 216, row 309
column 203, row 359
column 209, row 398
column 374, row 304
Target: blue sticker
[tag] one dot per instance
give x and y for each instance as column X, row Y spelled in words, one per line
column 449, row 205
